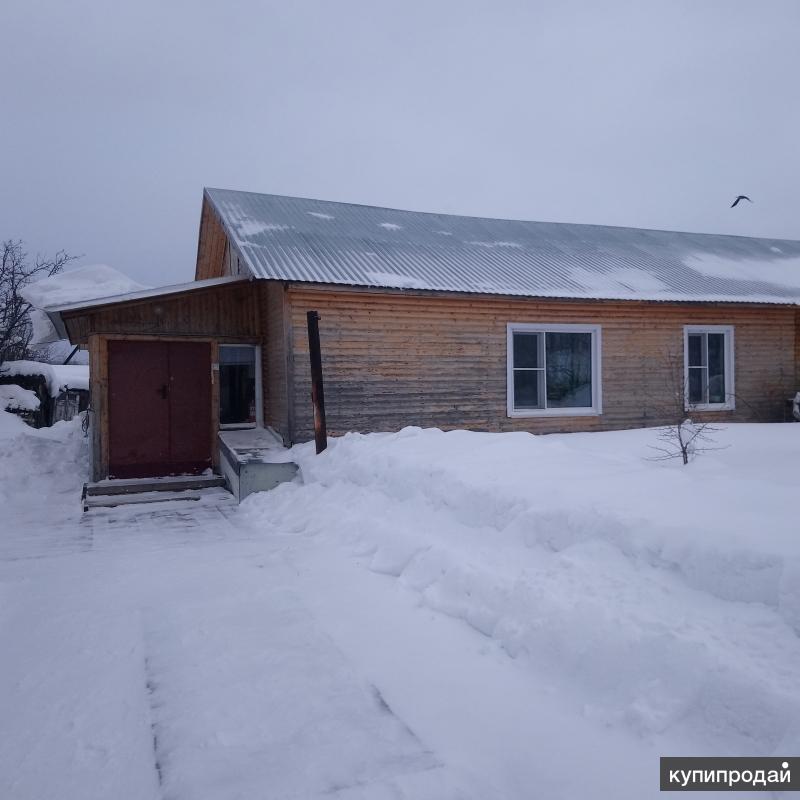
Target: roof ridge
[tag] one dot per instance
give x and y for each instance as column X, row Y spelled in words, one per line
column 208, row 189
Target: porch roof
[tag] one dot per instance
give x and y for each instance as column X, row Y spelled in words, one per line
column 55, row 312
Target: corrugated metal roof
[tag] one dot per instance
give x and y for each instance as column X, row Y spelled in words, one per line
column 296, row 239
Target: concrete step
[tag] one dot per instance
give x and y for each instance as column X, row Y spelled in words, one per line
column 170, row 483
column 160, row 496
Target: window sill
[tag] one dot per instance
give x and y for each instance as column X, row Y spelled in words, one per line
column 556, row 412
column 236, row 426
column 710, row 407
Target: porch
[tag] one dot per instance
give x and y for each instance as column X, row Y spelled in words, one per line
column 178, row 394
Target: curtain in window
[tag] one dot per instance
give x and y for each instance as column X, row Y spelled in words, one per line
column 552, row 370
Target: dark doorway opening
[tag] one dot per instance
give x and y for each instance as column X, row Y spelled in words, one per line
column 237, row 386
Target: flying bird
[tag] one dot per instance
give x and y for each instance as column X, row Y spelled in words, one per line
column 740, row 197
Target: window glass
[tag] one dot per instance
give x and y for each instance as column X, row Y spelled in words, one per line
column 237, row 385
column 697, row 385
column 551, row 370
column 716, row 367
column 569, row 370
column 527, row 388
column 709, row 369
column 696, row 350
column 526, row 350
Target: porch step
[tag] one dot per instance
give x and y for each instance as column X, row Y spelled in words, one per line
column 172, row 483
column 159, row 496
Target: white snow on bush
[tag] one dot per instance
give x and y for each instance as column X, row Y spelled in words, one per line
column 664, row 597
column 78, row 285
column 15, row 398
column 59, row 377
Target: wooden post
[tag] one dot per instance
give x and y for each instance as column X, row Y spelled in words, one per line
column 317, row 391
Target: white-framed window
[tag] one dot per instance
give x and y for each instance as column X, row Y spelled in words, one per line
column 553, row 370
column 708, row 367
column 240, row 403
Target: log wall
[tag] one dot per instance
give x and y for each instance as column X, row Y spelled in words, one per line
column 227, row 312
column 212, row 244
column 397, row 359
column 275, row 357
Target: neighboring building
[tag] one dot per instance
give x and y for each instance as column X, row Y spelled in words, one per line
column 58, row 391
column 434, row 320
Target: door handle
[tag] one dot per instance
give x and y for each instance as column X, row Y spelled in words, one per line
column 163, row 391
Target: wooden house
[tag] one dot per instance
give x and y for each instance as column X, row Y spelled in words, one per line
column 433, row 320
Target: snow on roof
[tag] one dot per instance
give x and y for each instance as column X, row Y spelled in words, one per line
column 296, row 239
column 15, row 398
column 144, row 294
column 58, row 376
column 78, row 285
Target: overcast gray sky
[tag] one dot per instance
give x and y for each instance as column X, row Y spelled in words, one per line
column 646, row 113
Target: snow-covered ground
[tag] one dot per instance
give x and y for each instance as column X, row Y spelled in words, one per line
column 429, row 615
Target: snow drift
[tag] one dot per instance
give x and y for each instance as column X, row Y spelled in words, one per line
column 665, row 597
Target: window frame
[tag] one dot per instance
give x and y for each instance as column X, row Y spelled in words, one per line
column 259, row 423
column 730, row 366
column 596, row 408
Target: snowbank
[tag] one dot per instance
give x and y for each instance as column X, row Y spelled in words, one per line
column 15, row 398
column 41, row 472
column 666, row 597
column 76, row 285
column 59, row 377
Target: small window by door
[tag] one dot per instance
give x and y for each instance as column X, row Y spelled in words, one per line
column 238, row 386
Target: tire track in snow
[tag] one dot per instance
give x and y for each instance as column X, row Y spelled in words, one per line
column 150, row 686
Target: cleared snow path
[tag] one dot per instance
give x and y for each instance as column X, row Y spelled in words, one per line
column 167, row 652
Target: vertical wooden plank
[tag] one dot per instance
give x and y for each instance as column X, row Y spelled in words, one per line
column 101, row 356
column 214, row 422
column 317, row 384
column 95, row 408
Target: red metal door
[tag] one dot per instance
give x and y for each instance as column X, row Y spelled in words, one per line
column 138, row 409
column 159, row 408
column 190, row 406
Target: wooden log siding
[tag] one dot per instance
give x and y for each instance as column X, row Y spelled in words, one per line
column 224, row 312
column 212, row 245
column 397, row 359
column 275, row 357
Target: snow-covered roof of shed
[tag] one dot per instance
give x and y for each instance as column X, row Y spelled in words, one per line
column 78, row 285
column 296, row 239
column 58, row 376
